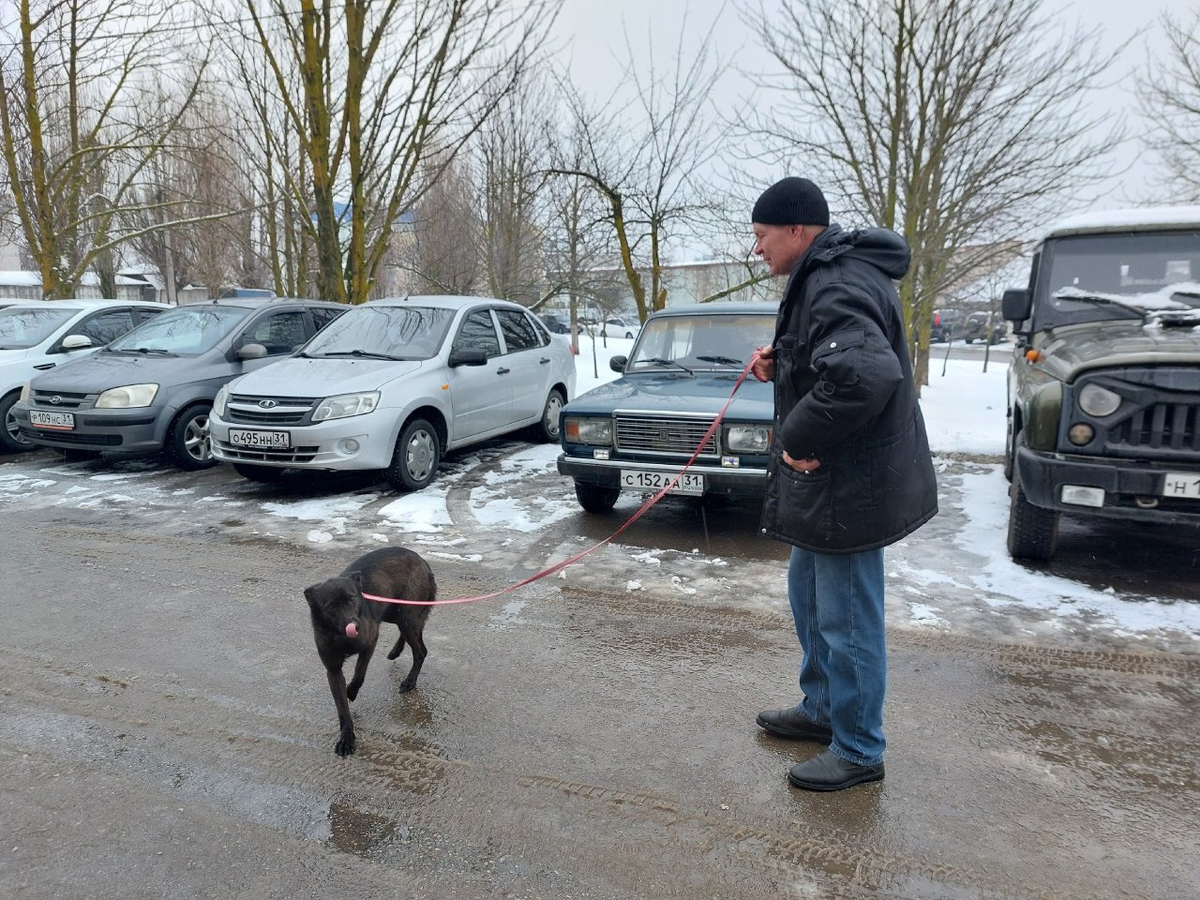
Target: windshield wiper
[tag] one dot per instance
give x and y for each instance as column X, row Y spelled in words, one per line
column 721, row 360
column 659, row 361
column 361, row 354
column 143, row 350
column 1100, row 299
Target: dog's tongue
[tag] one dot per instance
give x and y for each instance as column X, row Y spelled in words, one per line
column 351, row 630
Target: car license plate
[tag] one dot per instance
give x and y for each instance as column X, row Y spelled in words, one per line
column 656, row 481
column 274, row 440
column 54, row 420
column 1182, row 484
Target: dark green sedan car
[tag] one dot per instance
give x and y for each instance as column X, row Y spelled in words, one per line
column 636, row 433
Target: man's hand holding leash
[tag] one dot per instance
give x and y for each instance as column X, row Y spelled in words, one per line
column 763, row 368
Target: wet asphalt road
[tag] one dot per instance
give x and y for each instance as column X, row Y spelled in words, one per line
column 166, row 729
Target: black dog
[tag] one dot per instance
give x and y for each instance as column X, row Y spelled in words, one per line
column 345, row 623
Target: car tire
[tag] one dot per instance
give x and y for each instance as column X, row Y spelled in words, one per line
column 260, row 474
column 595, row 498
column 11, row 439
column 1032, row 531
column 188, row 444
column 416, row 457
column 548, row 428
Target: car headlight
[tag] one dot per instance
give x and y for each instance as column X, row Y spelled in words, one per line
column 345, row 405
column 588, row 431
column 747, row 438
column 1097, row 401
column 129, row 396
column 221, row 401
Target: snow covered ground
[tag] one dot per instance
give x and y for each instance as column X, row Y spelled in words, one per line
column 955, row 573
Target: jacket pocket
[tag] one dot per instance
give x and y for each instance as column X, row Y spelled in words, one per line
column 805, row 509
column 839, row 358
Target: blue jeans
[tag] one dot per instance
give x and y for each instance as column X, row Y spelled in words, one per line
column 837, row 604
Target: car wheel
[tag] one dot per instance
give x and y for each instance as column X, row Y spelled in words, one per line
column 415, row 460
column 547, row 429
column 596, row 499
column 261, row 474
column 11, row 439
column 1032, row 531
column 188, row 444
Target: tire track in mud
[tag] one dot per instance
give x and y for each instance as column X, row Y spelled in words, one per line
column 285, row 781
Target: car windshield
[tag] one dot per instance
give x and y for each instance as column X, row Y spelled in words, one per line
column 703, row 341
column 1118, row 276
column 22, row 328
column 383, row 332
column 185, row 331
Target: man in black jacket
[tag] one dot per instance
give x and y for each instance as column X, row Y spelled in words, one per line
column 850, row 468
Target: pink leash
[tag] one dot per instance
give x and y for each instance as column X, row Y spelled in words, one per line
column 578, row 556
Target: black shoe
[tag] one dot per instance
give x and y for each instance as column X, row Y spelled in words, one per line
column 794, row 725
column 829, row 772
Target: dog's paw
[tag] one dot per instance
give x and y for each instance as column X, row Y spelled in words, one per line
column 396, row 651
column 407, row 685
column 345, row 745
column 352, row 691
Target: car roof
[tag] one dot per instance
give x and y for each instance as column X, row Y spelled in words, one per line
column 82, row 304
column 1147, row 218
column 257, row 302
column 443, row 301
column 756, row 308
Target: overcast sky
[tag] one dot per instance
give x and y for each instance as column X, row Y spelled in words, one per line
column 590, row 34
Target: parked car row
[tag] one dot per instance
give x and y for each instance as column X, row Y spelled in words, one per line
column 248, row 381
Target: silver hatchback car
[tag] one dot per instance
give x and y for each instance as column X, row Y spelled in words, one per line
column 393, row 384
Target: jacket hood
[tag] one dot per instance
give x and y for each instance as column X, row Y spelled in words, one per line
column 881, row 247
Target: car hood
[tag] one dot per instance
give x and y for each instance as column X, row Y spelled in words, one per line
column 1099, row 345
column 702, row 394
column 300, row 377
column 102, row 371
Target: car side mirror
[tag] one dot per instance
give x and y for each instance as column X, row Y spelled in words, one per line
column 251, row 351
column 1016, row 304
column 617, row 363
column 467, row 356
column 76, row 342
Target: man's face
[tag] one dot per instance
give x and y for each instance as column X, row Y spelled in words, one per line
column 781, row 246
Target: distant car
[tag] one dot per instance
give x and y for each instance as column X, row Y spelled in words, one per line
column 619, row 326
column 635, row 433
column 153, row 388
column 38, row 335
column 393, row 384
column 980, row 327
column 554, row 324
column 947, row 325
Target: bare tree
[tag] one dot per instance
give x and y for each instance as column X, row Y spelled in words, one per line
column 953, row 122
column 1170, row 91
column 382, row 86
column 72, row 151
column 644, row 159
column 446, row 253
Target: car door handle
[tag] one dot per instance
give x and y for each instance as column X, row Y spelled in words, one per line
column 545, row 360
column 502, row 371
column 44, row 366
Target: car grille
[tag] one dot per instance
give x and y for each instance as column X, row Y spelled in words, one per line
column 66, row 400
column 245, row 409
column 262, row 454
column 663, row 434
column 70, row 437
column 1162, row 426
column 1159, row 417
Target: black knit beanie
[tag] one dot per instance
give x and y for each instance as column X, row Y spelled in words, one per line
column 792, row 201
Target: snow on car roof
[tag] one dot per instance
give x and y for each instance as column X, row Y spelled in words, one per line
column 1149, row 217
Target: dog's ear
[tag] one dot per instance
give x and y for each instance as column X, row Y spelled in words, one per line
column 356, row 577
column 310, row 594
